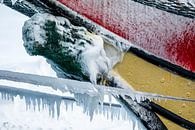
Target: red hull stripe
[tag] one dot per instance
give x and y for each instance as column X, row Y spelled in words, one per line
column 166, row 35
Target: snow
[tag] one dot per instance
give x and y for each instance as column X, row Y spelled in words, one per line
column 62, row 114
column 27, row 107
column 85, row 49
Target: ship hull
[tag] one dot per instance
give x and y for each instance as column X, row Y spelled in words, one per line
column 162, row 36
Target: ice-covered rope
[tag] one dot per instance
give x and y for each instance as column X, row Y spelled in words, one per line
column 74, row 86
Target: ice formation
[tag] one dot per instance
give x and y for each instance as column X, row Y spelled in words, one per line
column 39, row 101
column 79, row 87
column 91, row 100
column 84, row 94
column 58, row 107
column 86, row 97
column 78, row 54
column 72, row 51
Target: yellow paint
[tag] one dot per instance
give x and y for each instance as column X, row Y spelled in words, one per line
column 144, row 76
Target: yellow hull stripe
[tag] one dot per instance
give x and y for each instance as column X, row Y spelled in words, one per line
column 144, row 76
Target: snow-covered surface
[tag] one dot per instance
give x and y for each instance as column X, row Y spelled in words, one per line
column 85, row 49
column 14, row 114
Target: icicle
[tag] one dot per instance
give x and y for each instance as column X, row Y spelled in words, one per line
column 27, row 101
column 3, row 96
column 32, row 101
column 110, row 99
column 134, row 124
column 90, row 104
column 39, row 104
column 58, row 104
column 68, row 104
column 112, row 111
column 43, row 104
column 50, row 104
column 106, row 112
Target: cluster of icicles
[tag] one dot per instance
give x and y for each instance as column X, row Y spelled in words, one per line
column 42, row 101
column 90, row 97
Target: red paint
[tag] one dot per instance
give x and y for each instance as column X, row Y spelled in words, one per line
column 166, row 35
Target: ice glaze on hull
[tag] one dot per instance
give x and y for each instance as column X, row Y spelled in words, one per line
column 158, row 77
column 165, row 35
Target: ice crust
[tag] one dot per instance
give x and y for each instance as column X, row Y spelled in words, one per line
column 82, row 98
column 55, row 105
column 73, row 51
column 78, row 87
